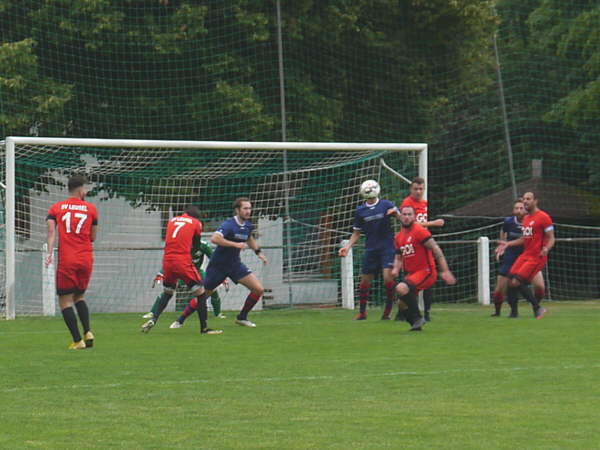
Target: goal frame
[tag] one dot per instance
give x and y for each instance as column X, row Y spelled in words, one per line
column 10, row 158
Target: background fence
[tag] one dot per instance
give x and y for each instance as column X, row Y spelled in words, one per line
column 505, row 93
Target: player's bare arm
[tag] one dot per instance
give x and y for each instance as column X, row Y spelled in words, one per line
column 437, row 223
column 93, row 232
column 501, row 238
column 254, row 246
column 51, row 237
column 548, row 243
column 438, row 255
column 503, row 245
column 397, row 265
column 218, row 239
column 353, row 240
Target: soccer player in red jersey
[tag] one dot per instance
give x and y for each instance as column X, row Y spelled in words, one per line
column 511, row 230
column 232, row 236
column 537, row 241
column 75, row 221
column 182, row 233
column 419, row 204
column 416, row 251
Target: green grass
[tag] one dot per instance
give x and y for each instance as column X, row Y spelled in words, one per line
column 307, row 379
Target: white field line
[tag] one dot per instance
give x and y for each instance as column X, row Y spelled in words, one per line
column 336, row 378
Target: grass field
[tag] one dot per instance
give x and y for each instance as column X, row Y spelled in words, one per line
column 307, row 379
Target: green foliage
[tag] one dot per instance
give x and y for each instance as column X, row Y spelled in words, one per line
column 355, row 70
column 41, row 100
column 568, row 36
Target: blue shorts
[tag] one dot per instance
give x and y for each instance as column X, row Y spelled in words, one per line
column 215, row 275
column 506, row 262
column 376, row 260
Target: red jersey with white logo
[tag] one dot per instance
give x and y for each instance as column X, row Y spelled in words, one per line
column 409, row 243
column 534, row 228
column 74, row 220
column 420, row 207
column 181, row 231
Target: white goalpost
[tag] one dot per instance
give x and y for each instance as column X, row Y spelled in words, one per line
column 303, row 194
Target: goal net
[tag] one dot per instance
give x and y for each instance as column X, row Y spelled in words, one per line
column 303, row 194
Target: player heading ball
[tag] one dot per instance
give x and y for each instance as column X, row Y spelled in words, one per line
column 373, row 219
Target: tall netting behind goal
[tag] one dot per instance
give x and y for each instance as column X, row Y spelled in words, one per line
column 303, row 203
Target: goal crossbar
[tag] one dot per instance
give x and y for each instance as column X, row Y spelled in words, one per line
column 223, row 145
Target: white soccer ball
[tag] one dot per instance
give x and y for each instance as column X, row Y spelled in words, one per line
column 370, row 189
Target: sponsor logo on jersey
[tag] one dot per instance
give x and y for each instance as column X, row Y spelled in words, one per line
column 374, row 217
column 407, row 250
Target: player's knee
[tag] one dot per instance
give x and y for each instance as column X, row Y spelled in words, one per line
column 197, row 290
column 258, row 291
column 402, row 289
column 168, row 290
column 388, row 277
column 539, row 292
column 514, row 282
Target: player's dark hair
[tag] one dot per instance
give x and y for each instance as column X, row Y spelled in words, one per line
column 417, row 180
column 76, row 181
column 193, row 211
column 237, row 203
column 409, row 206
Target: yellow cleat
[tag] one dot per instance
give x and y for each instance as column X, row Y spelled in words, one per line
column 89, row 339
column 77, row 345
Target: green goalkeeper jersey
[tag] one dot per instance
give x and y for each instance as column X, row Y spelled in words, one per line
column 199, row 251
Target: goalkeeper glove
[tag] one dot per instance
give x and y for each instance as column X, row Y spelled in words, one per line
column 158, row 279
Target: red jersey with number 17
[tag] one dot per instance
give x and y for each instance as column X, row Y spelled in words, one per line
column 420, row 207
column 181, row 231
column 410, row 244
column 534, row 229
column 74, row 220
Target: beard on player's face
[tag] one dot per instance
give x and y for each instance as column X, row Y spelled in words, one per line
column 407, row 222
column 519, row 212
column 244, row 213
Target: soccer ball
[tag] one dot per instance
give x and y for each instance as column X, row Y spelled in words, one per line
column 370, row 189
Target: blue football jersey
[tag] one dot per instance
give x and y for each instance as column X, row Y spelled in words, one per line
column 375, row 224
column 513, row 230
column 231, row 230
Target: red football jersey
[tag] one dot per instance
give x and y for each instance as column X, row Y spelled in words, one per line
column 420, row 207
column 534, row 228
column 409, row 243
column 74, row 220
column 181, row 231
